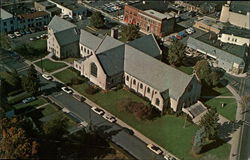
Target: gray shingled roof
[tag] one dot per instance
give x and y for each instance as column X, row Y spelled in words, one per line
column 5, row 15
column 89, row 40
column 112, row 60
column 58, row 24
column 141, row 44
column 108, row 43
column 67, row 36
column 218, row 53
column 155, row 73
column 240, row 6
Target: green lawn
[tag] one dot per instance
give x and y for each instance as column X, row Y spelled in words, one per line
column 215, row 91
column 48, row 109
column 166, row 131
column 229, row 109
column 36, row 103
column 187, row 70
column 50, row 66
column 39, row 44
column 66, row 75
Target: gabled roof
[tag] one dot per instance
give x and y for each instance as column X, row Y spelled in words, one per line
column 142, row 44
column 221, row 54
column 58, row 24
column 112, row 60
column 4, row 14
column 89, row 40
column 108, row 43
column 155, row 73
column 67, row 36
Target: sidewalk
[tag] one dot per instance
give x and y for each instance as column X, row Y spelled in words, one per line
column 236, row 136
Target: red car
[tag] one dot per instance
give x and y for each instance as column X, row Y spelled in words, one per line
column 178, row 37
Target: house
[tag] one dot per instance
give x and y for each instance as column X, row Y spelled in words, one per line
column 237, row 13
column 63, row 38
column 35, row 19
column 47, row 6
column 7, row 21
column 230, row 57
column 209, row 24
column 234, row 35
column 149, row 21
column 108, row 62
column 70, row 8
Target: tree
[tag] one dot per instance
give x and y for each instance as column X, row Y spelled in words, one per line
column 97, row 20
column 4, row 41
column 210, row 123
column 31, row 82
column 176, row 53
column 202, row 69
column 3, row 95
column 55, row 129
column 199, row 140
column 130, row 32
column 15, row 142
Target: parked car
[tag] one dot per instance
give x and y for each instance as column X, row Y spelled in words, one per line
column 47, row 77
column 190, row 30
column 27, row 31
column 67, row 90
column 17, row 34
column 78, row 97
column 38, row 37
column 155, row 149
column 110, row 118
column 22, row 32
column 32, row 30
column 178, row 37
column 28, row 100
column 173, row 38
column 168, row 157
column 182, row 34
column 98, row 110
column 12, row 36
column 32, row 38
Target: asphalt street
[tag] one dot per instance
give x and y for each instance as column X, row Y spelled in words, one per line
column 109, row 130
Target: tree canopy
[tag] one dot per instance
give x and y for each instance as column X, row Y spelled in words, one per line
column 210, row 123
column 97, row 20
column 130, row 32
column 208, row 75
column 15, row 142
column 176, row 53
column 31, row 82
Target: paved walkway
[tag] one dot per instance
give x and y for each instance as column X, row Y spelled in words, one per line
column 217, row 96
column 59, row 70
column 41, row 106
column 236, row 135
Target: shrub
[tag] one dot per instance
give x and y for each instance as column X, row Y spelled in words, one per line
column 76, row 81
column 123, row 104
column 91, row 90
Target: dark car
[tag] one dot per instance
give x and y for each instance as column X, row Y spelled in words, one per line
column 22, row 32
column 27, row 31
column 32, row 30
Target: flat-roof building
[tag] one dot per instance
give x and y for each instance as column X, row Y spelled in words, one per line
column 70, row 8
column 149, row 21
column 47, row 6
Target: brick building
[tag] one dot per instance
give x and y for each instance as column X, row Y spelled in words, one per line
column 149, row 21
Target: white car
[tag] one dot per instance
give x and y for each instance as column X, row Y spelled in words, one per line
column 47, row 77
column 98, row 110
column 155, row 149
column 32, row 39
column 110, row 118
column 17, row 34
column 167, row 157
column 190, row 30
column 67, row 90
column 12, row 36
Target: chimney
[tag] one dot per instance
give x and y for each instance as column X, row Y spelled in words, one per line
column 114, row 33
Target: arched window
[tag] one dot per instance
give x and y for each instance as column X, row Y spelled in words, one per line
column 127, row 78
column 141, row 85
column 84, row 49
column 157, row 101
column 134, row 82
column 93, row 69
column 148, row 90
